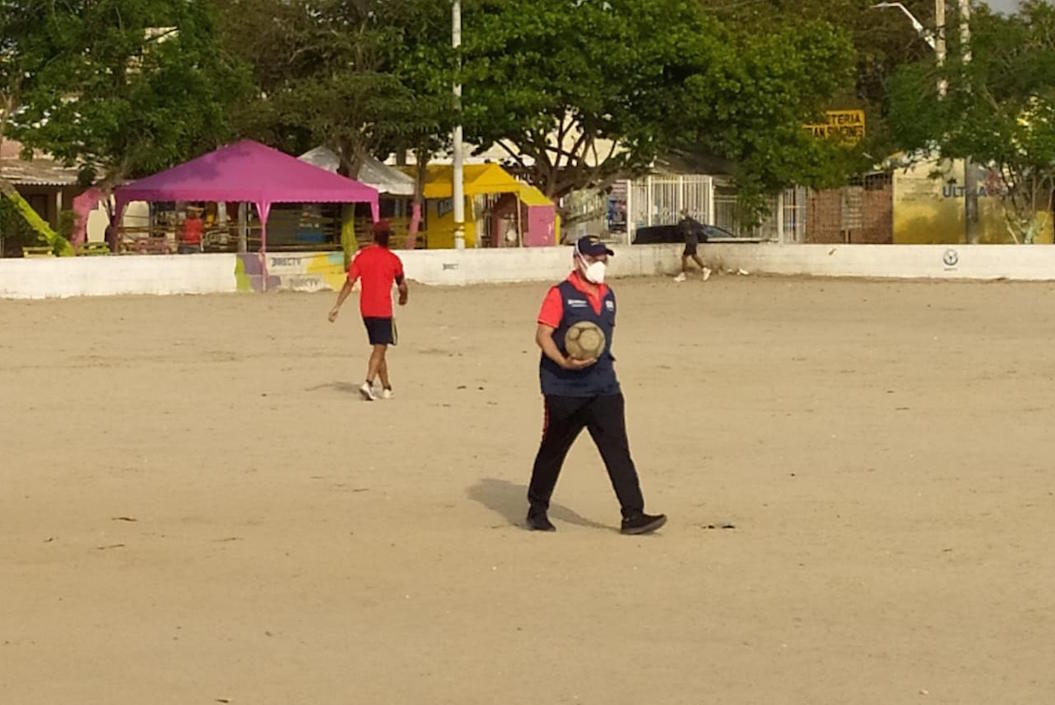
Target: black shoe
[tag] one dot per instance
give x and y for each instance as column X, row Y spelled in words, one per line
column 540, row 522
column 643, row 523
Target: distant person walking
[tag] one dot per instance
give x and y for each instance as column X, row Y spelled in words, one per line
column 379, row 269
column 690, row 230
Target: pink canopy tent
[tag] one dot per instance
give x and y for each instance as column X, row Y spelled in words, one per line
column 247, row 172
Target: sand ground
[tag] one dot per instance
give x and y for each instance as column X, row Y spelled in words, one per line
column 195, row 507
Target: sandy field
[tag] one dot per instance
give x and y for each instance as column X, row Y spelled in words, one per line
column 196, row 507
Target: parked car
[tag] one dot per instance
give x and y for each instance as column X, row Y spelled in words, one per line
column 657, row 234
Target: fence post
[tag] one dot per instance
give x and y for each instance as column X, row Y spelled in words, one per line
column 629, row 212
column 679, row 201
column 711, row 218
column 780, row 218
column 648, row 200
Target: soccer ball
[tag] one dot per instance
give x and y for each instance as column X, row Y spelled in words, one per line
column 584, row 341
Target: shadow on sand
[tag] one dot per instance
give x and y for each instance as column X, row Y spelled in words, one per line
column 344, row 387
column 509, row 500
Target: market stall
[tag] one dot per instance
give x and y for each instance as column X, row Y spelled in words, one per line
column 247, row 172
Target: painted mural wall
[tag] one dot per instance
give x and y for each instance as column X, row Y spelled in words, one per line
column 307, row 272
column 929, row 207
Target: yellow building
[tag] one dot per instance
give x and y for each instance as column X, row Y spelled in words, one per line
column 485, row 185
column 929, row 206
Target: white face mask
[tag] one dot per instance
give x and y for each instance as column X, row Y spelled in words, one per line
column 594, row 272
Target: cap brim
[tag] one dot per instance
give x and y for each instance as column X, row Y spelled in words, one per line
column 595, row 251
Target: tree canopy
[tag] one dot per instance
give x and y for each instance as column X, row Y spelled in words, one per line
column 579, row 93
column 364, row 78
column 1000, row 108
column 126, row 87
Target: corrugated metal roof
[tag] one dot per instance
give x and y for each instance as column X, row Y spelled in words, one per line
column 37, row 173
column 42, row 170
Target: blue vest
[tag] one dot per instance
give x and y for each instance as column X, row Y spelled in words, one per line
column 596, row 380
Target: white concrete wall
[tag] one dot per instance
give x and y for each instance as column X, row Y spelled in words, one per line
column 322, row 271
column 108, row 276
column 449, row 267
column 980, row 262
column 209, row 274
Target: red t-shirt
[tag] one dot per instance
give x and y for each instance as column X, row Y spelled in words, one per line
column 192, row 228
column 553, row 305
column 379, row 269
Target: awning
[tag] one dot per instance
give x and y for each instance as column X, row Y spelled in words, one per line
column 247, row 172
column 479, row 179
column 384, row 178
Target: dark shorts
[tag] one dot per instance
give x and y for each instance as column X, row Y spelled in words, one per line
column 381, row 331
column 690, row 249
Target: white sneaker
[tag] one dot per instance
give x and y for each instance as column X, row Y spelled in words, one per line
column 680, row 277
column 367, row 392
column 706, row 273
column 387, row 394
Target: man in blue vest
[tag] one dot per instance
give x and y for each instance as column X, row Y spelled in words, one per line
column 583, row 393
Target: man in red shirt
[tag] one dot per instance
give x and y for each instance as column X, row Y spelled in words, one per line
column 192, row 231
column 378, row 269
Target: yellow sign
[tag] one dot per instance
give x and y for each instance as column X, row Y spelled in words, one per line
column 844, row 125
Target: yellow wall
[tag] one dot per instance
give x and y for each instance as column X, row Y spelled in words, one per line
column 439, row 223
column 931, row 210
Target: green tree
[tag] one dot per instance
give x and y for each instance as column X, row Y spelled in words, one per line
column 751, row 95
column 357, row 75
column 1000, row 109
column 883, row 41
column 23, row 52
column 130, row 86
column 580, row 92
column 561, row 86
column 363, row 77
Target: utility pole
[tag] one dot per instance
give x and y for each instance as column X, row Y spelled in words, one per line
column 457, row 181
column 970, row 176
column 935, row 41
column 939, row 45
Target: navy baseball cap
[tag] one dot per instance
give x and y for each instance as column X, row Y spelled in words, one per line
column 592, row 247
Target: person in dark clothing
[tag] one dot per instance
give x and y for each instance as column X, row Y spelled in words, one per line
column 583, row 394
column 691, row 230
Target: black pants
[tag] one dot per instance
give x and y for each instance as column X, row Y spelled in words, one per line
column 604, row 417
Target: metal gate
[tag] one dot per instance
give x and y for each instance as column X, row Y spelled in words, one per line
column 659, row 200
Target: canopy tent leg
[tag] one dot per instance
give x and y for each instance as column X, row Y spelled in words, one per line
column 243, row 229
column 520, row 222
column 264, row 210
column 116, row 213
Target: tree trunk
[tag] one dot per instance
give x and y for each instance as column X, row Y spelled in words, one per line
column 420, row 173
column 59, row 245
